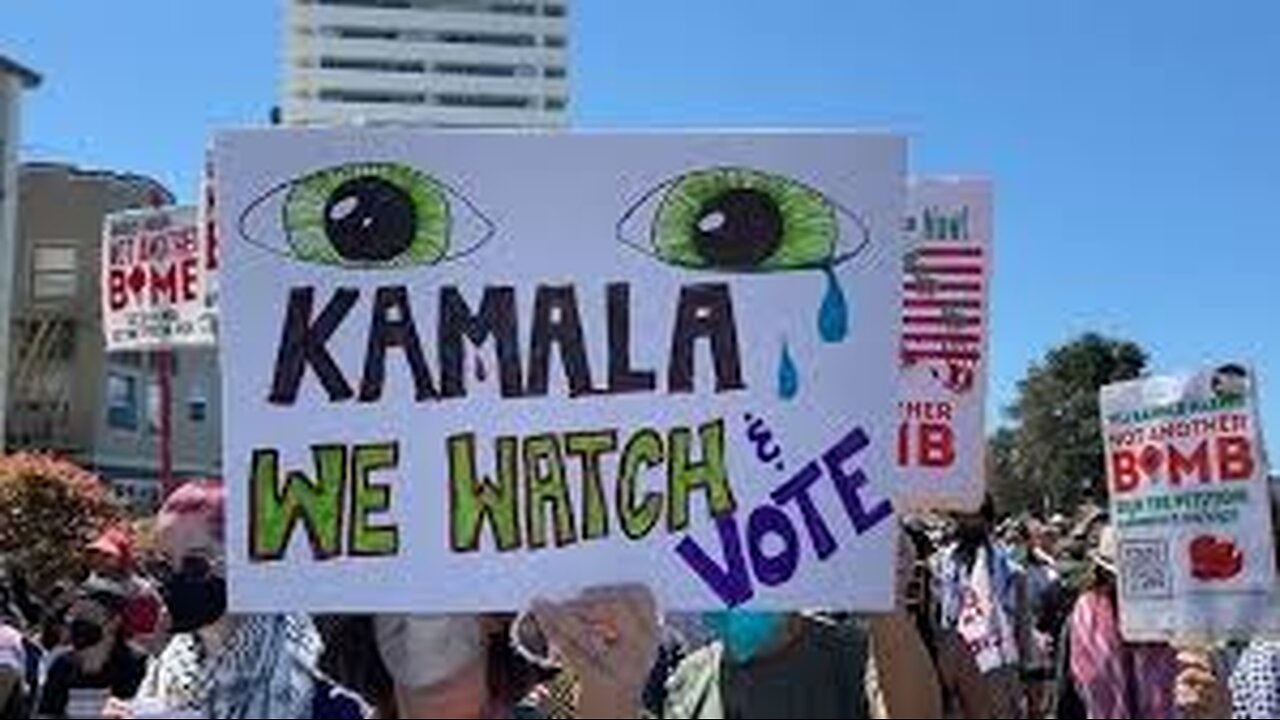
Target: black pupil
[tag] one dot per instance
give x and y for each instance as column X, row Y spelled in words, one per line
column 738, row 228
column 369, row 219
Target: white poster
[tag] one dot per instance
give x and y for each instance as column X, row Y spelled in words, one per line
column 943, row 350
column 462, row 370
column 1192, row 506
column 155, row 281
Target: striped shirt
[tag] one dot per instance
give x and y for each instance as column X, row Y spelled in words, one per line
column 1118, row 680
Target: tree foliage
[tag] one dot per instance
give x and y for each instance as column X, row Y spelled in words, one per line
column 1051, row 457
column 50, row 509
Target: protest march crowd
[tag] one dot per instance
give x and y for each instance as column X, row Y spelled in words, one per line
column 996, row 618
column 978, row 616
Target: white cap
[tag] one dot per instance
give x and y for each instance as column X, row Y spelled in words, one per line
column 1108, row 550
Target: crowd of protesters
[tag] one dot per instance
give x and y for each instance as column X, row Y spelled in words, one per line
column 996, row 619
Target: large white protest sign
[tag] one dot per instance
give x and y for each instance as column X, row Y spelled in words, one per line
column 155, row 281
column 465, row 369
column 945, row 321
column 1191, row 504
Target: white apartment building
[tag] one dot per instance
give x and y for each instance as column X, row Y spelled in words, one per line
column 443, row 63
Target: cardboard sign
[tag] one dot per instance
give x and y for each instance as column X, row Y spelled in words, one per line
column 464, row 369
column 155, row 281
column 943, row 346
column 1192, row 506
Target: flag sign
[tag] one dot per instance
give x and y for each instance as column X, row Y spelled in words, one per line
column 208, row 223
column 155, row 281
column 466, row 369
column 1192, row 506
column 943, row 347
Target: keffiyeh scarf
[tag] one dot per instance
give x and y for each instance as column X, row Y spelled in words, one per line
column 979, row 603
column 265, row 669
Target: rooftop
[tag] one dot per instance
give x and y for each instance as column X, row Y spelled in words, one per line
column 29, row 77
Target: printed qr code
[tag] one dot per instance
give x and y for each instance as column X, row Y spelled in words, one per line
column 1146, row 569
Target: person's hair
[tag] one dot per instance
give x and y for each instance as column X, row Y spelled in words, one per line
column 988, row 509
column 99, row 593
column 923, row 614
column 205, row 498
column 511, row 677
column 352, row 659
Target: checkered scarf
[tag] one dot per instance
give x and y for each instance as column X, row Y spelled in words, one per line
column 265, row 669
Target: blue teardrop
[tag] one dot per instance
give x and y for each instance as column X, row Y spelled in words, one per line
column 788, row 376
column 833, row 317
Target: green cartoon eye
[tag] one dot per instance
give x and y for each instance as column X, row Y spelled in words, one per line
column 735, row 219
column 372, row 215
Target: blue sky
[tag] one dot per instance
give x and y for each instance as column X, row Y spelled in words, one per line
column 1134, row 144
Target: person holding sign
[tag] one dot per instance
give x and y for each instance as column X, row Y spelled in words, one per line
column 460, row 666
column 217, row 665
column 1116, row 679
column 771, row 665
column 1249, row 690
column 983, row 598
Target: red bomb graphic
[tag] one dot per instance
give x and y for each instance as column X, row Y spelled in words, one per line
column 1215, row 559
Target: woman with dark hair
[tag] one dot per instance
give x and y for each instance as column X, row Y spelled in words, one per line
column 430, row 666
column 965, row 693
column 981, row 594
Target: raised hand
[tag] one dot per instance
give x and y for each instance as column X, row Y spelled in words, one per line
column 609, row 638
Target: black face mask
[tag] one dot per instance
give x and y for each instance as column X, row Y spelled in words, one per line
column 85, row 634
column 194, row 601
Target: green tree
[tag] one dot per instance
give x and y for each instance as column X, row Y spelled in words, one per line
column 1012, row 494
column 50, row 509
column 1052, row 455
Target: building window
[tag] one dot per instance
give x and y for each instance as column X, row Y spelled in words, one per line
column 484, row 69
column 54, row 272
column 515, row 102
column 554, row 10
column 505, row 8
column 555, row 103
column 362, row 33
column 122, row 402
column 391, row 4
column 514, row 8
column 372, row 65
column 554, row 41
column 484, row 38
column 373, row 97
column 198, row 409
column 555, row 72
